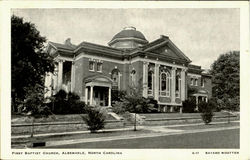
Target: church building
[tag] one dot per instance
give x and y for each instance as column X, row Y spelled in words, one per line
column 159, row 68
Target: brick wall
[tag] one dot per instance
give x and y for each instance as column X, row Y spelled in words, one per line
column 207, row 84
column 82, row 71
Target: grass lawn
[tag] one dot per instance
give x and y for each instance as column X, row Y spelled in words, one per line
column 20, row 119
column 232, row 124
column 22, row 141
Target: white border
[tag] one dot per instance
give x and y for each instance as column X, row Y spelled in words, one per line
column 5, row 7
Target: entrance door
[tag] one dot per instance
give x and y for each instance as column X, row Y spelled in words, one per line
column 96, row 98
column 99, row 97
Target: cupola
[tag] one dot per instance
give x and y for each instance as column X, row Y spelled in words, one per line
column 128, row 38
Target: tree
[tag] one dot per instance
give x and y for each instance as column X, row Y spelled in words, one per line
column 29, row 62
column 33, row 105
column 134, row 102
column 226, row 79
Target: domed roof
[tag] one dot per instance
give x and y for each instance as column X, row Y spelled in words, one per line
column 129, row 32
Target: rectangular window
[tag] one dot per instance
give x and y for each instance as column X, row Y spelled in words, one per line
column 99, row 67
column 202, row 82
column 192, row 81
column 91, row 65
column 196, row 82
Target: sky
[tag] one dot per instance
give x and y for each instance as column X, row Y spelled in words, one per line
column 201, row 34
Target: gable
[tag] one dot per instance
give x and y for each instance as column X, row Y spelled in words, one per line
column 166, row 48
column 166, row 51
column 51, row 50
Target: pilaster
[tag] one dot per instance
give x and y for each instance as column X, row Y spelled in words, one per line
column 183, row 84
column 109, row 98
column 173, row 74
column 156, row 82
column 145, row 79
column 72, row 76
column 86, row 95
column 60, row 74
column 91, row 95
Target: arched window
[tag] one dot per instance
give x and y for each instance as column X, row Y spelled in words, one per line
column 165, row 84
column 177, row 85
column 116, row 78
column 168, row 84
column 150, row 83
column 132, row 74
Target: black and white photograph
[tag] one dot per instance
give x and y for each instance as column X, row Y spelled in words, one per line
column 104, row 79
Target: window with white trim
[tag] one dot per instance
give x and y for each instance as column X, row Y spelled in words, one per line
column 132, row 74
column 150, row 83
column 202, row 82
column 177, row 85
column 192, row 81
column 165, row 84
column 99, row 67
column 116, row 78
column 196, row 82
column 91, row 66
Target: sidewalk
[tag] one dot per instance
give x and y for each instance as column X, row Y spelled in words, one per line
column 115, row 130
column 165, row 132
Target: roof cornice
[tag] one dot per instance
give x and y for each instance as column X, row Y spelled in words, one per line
column 127, row 38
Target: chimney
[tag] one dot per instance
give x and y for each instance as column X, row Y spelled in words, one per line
column 67, row 42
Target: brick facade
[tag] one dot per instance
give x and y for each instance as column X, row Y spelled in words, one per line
column 141, row 64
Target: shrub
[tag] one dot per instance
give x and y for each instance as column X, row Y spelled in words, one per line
column 117, row 95
column 119, row 107
column 146, row 105
column 154, row 104
column 67, row 103
column 94, row 119
column 189, row 105
column 206, row 109
column 76, row 106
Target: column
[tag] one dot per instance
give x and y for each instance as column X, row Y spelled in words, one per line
column 145, row 80
column 60, row 74
column 91, row 95
column 202, row 98
column 119, row 80
column 173, row 85
column 109, row 102
column 181, row 110
column 47, row 85
column 196, row 98
column 156, row 82
column 206, row 99
column 183, row 86
column 55, row 80
column 86, row 95
column 171, row 108
column 72, row 77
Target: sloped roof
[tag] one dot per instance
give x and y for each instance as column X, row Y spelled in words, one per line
column 194, row 69
column 159, row 44
column 63, row 46
column 152, row 49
